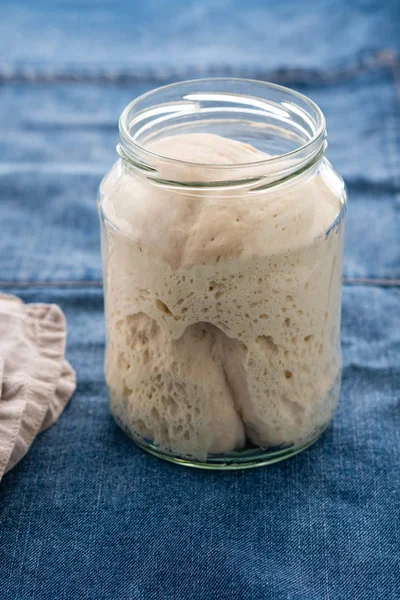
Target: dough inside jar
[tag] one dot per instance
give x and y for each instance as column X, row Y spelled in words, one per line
column 222, row 306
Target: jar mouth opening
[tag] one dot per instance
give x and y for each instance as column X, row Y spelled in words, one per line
column 286, row 125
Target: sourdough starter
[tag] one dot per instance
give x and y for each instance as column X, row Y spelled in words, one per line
column 222, row 306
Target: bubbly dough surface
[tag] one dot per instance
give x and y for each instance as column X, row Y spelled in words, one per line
column 222, row 308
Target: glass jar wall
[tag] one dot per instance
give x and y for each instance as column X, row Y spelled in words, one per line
column 222, row 236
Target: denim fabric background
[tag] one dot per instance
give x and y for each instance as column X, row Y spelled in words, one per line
column 86, row 515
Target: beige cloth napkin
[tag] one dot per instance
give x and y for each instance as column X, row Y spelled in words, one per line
column 36, row 381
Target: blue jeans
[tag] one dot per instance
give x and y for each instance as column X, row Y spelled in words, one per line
column 86, row 515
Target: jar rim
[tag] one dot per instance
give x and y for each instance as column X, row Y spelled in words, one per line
column 140, row 156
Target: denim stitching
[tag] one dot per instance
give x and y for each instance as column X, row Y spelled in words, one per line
column 395, row 134
column 392, row 139
column 97, row 283
column 33, row 75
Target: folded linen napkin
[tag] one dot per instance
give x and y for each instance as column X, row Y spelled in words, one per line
column 36, row 382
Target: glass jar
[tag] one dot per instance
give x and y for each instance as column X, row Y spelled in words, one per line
column 222, row 236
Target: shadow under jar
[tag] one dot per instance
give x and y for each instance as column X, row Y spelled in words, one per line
column 222, row 237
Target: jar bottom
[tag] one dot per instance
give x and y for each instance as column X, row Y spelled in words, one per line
column 247, row 458
column 233, row 461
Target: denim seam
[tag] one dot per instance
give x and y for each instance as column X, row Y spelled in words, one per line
column 97, row 283
column 394, row 132
column 30, row 74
